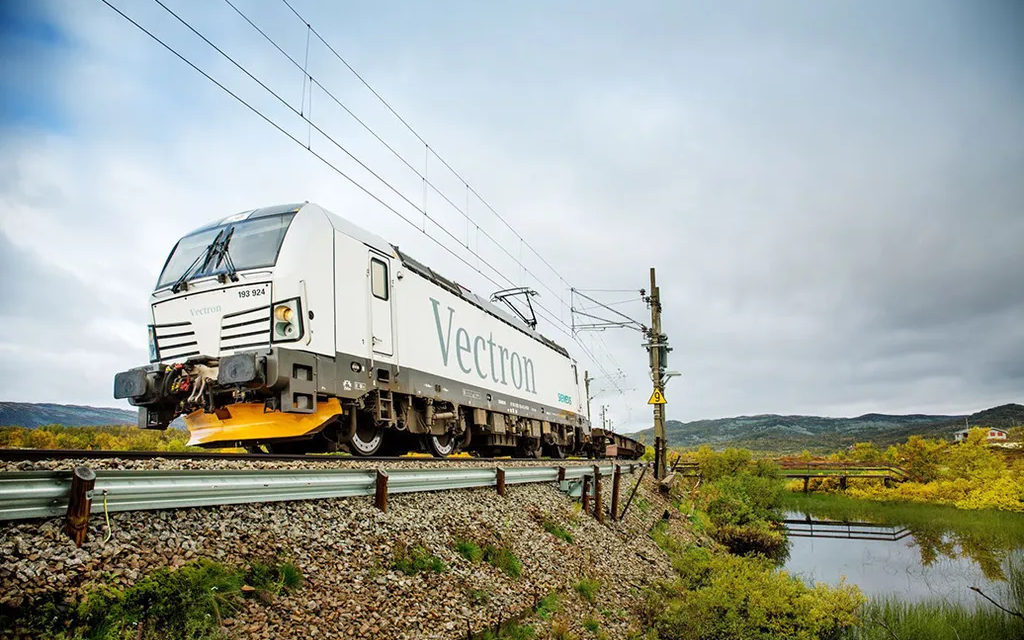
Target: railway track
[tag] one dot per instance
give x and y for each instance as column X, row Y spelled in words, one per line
column 20, row 455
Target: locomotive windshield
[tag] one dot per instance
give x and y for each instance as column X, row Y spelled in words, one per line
column 254, row 243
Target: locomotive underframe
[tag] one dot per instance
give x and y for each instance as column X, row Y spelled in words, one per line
column 301, row 401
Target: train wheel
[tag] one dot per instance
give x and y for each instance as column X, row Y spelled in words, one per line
column 366, row 441
column 441, row 446
column 556, row 451
column 528, row 448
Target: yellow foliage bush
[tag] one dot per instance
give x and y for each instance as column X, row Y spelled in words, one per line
column 112, row 438
column 968, row 475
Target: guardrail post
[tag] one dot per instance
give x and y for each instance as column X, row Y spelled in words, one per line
column 807, row 482
column 598, row 511
column 616, row 479
column 561, row 474
column 500, row 474
column 76, row 521
column 380, row 497
column 842, row 483
column 888, row 481
column 585, row 494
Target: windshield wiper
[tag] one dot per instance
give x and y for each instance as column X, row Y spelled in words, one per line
column 201, row 261
column 225, row 257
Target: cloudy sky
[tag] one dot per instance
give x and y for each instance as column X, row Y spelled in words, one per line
column 832, row 192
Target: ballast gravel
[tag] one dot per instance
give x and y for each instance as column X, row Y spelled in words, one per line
column 346, row 548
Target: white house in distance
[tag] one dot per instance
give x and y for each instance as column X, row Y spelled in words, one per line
column 993, row 435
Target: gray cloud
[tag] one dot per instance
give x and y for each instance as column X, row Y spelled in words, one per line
column 831, row 191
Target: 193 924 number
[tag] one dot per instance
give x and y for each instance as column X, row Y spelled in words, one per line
column 252, row 293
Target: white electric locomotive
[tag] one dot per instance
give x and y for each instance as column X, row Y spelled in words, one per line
column 289, row 329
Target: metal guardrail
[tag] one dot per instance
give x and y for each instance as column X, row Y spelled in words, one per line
column 41, row 494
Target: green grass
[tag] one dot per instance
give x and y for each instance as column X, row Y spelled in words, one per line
column 502, row 558
column 547, row 606
column 478, row 596
column 643, row 505
column 416, row 559
column 510, row 631
column 469, row 550
column 558, row 531
column 188, row 603
column 591, row 624
column 888, row 618
column 588, row 588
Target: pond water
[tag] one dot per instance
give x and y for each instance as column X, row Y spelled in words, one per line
column 914, row 552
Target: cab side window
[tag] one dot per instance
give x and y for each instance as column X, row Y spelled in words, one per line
column 379, row 279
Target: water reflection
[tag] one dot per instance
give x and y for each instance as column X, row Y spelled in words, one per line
column 918, row 554
column 808, row 527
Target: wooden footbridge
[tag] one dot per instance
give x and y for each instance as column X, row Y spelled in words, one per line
column 807, row 470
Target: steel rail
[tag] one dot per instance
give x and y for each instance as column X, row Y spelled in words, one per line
column 41, row 494
column 21, row 455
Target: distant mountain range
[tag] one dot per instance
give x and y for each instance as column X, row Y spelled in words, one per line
column 30, row 414
column 786, row 434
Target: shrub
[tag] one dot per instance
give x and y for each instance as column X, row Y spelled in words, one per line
column 557, row 530
column 503, row 558
column 547, row 606
column 469, row 550
column 588, row 588
column 479, row 596
column 733, row 597
column 744, row 506
column 189, row 602
column 413, row 560
column 510, row 631
column 718, row 465
column 756, row 539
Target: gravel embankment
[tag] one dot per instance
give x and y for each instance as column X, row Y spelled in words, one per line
column 345, row 549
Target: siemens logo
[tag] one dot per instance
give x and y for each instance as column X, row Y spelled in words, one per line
column 483, row 355
column 204, row 311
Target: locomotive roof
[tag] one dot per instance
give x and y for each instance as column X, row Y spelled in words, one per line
column 378, row 243
column 475, row 300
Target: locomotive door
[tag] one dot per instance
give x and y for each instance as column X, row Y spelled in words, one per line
column 381, row 329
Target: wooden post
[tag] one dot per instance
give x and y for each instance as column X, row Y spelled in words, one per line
column 888, row 481
column 616, row 479
column 500, row 474
column 76, row 521
column 380, row 498
column 598, row 511
column 807, row 481
column 842, row 483
column 561, row 474
column 633, row 492
column 585, row 495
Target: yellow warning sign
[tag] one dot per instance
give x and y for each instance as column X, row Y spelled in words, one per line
column 657, row 397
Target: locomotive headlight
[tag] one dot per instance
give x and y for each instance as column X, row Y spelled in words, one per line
column 287, row 321
column 152, row 344
column 284, row 313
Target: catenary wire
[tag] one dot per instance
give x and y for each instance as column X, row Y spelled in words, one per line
column 391, row 149
column 555, row 320
column 431, row 149
column 397, row 192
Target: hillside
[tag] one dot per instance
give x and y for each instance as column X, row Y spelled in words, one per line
column 795, row 433
column 29, row 414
